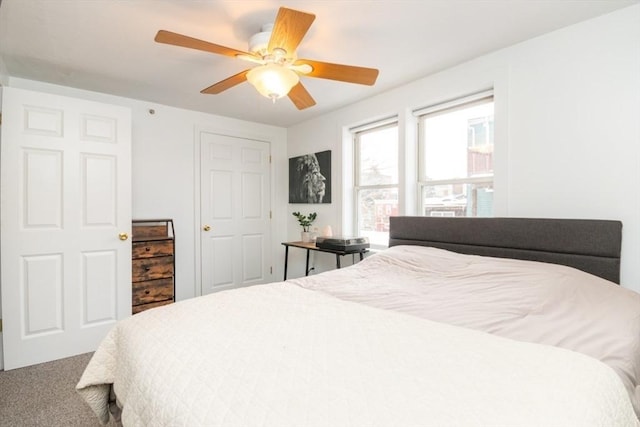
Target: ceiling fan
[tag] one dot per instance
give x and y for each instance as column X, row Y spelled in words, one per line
column 279, row 70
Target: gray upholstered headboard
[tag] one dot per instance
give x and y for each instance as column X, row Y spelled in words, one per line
column 589, row 245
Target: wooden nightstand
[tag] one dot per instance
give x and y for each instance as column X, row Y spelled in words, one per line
column 153, row 264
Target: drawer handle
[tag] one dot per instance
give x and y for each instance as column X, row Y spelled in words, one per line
column 147, row 292
column 147, row 268
column 147, row 249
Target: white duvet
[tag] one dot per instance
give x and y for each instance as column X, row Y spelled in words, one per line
column 527, row 301
column 279, row 355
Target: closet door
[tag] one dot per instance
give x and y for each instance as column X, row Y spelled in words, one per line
column 235, row 212
column 66, row 217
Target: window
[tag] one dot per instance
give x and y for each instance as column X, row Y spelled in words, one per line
column 456, row 157
column 376, row 180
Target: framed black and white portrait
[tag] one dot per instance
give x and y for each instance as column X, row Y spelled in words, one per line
column 310, row 178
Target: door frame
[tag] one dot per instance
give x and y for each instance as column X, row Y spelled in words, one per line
column 268, row 139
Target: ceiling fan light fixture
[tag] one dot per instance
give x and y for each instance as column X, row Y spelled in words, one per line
column 274, row 48
column 273, row 80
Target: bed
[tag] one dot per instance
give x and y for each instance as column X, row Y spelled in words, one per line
column 461, row 322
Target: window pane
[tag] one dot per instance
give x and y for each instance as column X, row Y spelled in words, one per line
column 378, row 157
column 458, row 143
column 375, row 208
column 458, row 200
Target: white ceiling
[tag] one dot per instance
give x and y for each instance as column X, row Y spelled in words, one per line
column 107, row 45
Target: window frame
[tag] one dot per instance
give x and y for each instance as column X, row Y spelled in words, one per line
column 356, row 133
column 444, row 108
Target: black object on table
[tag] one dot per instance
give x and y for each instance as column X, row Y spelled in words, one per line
column 311, row 246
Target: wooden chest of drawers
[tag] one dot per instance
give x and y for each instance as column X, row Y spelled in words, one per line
column 153, row 264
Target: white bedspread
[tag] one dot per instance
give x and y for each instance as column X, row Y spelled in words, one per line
column 278, row 355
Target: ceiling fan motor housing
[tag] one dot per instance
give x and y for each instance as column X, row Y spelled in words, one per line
column 259, row 42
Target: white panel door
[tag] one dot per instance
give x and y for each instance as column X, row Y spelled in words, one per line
column 66, row 197
column 235, row 212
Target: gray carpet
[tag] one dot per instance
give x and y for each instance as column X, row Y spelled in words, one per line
column 45, row 395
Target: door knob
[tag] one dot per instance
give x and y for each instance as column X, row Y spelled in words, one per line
column 123, row 236
column 206, row 227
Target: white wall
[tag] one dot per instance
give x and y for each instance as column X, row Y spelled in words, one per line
column 567, row 128
column 163, row 160
column 4, row 75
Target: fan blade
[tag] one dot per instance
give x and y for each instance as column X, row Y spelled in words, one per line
column 226, row 83
column 343, row 73
column 176, row 39
column 300, row 97
column 289, row 29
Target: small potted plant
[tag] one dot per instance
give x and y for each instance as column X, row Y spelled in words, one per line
column 305, row 221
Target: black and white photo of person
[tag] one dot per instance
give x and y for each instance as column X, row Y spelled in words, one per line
column 309, row 178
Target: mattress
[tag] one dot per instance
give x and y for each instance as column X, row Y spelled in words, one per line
column 280, row 355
